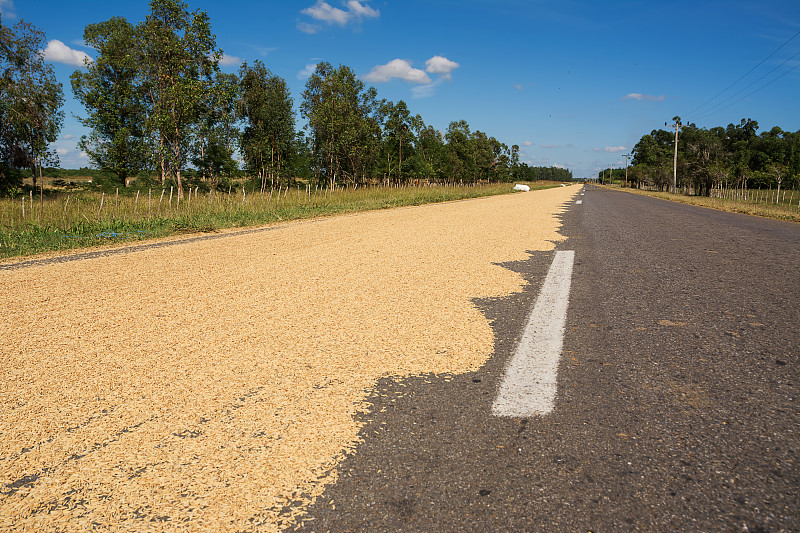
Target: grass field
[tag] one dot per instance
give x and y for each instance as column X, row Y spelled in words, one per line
column 755, row 204
column 30, row 225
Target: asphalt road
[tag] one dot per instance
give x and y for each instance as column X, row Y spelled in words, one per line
column 677, row 405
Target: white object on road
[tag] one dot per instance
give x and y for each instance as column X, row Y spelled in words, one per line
column 529, row 385
column 519, row 187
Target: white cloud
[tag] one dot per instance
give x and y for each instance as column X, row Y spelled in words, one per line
column 307, row 71
column 364, row 11
column 68, row 154
column 517, row 86
column 551, row 146
column 58, row 52
column 610, row 149
column 397, row 68
column 527, row 143
column 326, row 13
column 425, row 91
column 263, row 51
column 441, row 65
column 309, row 28
column 7, row 9
column 435, row 65
column 230, row 61
column 403, row 69
column 640, row 97
column 557, row 165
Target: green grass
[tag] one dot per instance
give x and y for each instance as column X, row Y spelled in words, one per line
column 756, row 204
column 77, row 220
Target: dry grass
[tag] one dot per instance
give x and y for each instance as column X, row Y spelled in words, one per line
column 31, row 225
column 213, row 385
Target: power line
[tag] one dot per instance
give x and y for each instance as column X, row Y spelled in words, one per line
column 763, row 86
column 714, row 109
column 744, row 75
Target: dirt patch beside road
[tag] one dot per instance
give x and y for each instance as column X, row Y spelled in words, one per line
column 213, row 384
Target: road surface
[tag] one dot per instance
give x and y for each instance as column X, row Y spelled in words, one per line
column 677, row 403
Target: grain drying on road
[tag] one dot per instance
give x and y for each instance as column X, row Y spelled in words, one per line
column 213, row 385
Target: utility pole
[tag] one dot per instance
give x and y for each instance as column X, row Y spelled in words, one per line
column 626, row 156
column 677, row 126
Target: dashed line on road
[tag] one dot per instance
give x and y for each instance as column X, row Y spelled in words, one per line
column 529, row 385
column 579, row 202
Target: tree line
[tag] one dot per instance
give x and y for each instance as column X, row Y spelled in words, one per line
column 156, row 101
column 735, row 156
column 30, row 103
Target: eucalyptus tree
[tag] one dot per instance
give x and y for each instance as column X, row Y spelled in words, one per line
column 501, row 169
column 179, row 52
column 398, row 133
column 265, row 103
column 791, row 141
column 344, row 122
column 483, row 156
column 30, row 103
column 739, row 141
column 430, row 151
column 363, row 148
column 514, row 162
column 704, row 156
column 217, row 132
column 110, row 90
column 654, row 153
column 324, row 124
column 460, row 152
column 300, row 163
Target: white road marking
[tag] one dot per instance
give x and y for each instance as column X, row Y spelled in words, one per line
column 579, row 202
column 529, row 385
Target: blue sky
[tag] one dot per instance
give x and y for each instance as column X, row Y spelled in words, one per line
column 573, row 83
